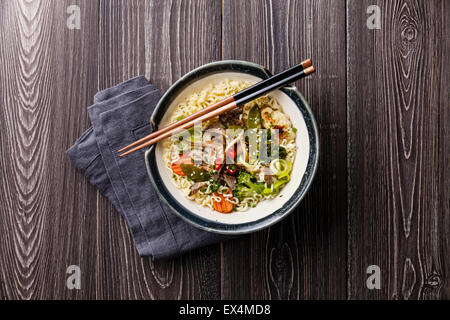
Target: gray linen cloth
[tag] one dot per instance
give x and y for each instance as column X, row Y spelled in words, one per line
column 119, row 116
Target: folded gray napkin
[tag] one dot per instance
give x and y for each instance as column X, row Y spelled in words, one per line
column 119, row 116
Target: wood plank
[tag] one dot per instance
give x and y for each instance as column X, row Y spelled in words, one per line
column 398, row 149
column 180, row 36
column 304, row 256
column 119, row 271
column 49, row 76
column 164, row 40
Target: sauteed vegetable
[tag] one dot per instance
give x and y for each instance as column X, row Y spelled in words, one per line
column 236, row 160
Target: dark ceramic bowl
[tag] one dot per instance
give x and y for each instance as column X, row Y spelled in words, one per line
column 267, row 212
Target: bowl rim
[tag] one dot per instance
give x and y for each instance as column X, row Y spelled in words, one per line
column 219, row 227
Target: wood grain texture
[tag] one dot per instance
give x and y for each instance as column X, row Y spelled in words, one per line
column 155, row 38
column 180, row 36
column 381, row 195
column 398, row 149
column 304, row 256
column 45, row 207
column 120, row 272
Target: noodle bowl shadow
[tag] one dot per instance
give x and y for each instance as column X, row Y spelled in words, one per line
column 267, row 212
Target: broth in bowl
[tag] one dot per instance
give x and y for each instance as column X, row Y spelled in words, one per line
column 255, row 201
column 234, row 161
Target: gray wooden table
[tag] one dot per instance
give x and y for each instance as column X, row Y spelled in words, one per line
column 381, row 195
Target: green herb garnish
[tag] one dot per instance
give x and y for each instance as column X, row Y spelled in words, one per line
column 194, row 173
column 254, row 118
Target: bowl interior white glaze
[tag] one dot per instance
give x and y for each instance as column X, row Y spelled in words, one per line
column 264, row 208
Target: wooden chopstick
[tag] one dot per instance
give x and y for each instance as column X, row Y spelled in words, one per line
column 227, row 107
column 254, row 88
